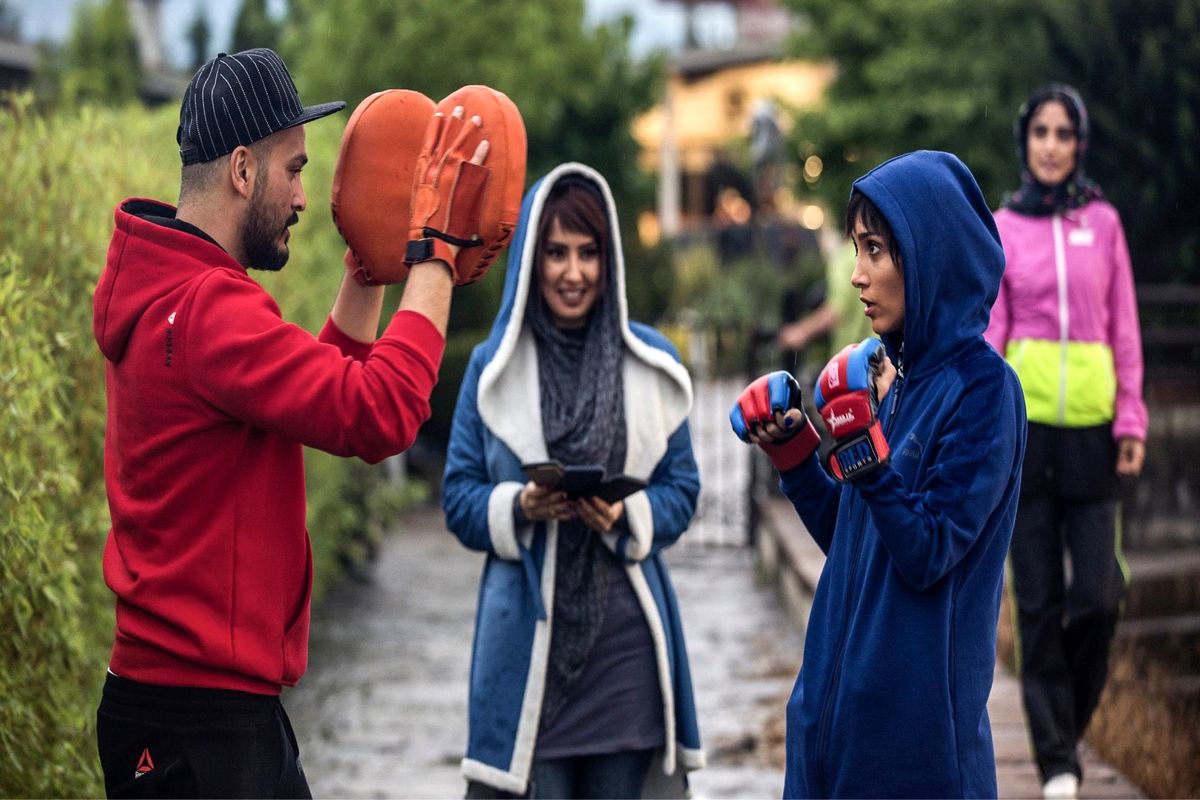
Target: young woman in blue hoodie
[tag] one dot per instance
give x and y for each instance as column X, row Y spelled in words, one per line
column 579, row 675
column 915, row 521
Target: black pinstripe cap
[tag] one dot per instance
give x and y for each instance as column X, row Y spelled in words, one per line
column 238, row 99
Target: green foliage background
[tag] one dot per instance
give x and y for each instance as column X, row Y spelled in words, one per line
column 56, row 209
column 64, row 175
column 951, row 74
column 577, row 87
column 100, row 61
column 83, row 149
column 945, row 74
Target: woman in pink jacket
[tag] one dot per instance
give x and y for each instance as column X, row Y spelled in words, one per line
column 1066, row 320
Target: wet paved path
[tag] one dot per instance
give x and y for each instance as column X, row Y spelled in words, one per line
column 382, row 710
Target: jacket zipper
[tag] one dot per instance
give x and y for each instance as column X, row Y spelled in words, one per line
column 835, row 677
column 898, row 386
column 1064, row 318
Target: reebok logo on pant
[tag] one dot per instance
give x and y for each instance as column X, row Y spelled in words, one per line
column 145, row 764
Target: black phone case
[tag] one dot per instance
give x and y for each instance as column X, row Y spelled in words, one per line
column 618, row 488
column 582, row 480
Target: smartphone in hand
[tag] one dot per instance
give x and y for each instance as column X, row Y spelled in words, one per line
column 582, row 480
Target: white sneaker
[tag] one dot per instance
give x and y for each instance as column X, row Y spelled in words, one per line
column 1063, row 786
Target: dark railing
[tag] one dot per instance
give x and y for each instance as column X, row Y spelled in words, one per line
column 1162, row 508
column 1170, row 317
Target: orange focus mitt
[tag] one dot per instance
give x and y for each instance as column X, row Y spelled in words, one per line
column 373, row 182
column 459, row 203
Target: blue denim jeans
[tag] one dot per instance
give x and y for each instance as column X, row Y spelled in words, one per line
column 608, row 775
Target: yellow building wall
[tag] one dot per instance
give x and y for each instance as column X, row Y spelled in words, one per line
column 716, row 110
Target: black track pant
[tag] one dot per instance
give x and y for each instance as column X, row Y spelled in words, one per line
column 174, row 741
column 1065, row 628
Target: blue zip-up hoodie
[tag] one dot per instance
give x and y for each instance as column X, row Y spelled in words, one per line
column 497, row 427
column 891, row 700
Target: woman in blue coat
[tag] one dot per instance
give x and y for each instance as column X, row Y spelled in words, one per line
column 579, row 677
column 900, row 650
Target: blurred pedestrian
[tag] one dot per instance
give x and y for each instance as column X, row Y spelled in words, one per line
column 579, row 680
column 891, row 700
column 840, row 315
column 1066, row 319
column 212, row 397
column 767, row 151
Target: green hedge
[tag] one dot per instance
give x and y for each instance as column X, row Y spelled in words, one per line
column 49, row 552
column 63, row 176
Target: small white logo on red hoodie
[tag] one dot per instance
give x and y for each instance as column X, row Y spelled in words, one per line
column 170, row 338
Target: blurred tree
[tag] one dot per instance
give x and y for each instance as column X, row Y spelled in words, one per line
column 1137, row 65
column 199, row 36
column 941, row 74
column 951, row 74
column 577, row 87
column 255, row 27
column 100, row 61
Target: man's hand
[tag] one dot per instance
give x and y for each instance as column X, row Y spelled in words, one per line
column 480, row 218
column 430, row 283
column 848, row 394
column 449, row 191
column 768, row 413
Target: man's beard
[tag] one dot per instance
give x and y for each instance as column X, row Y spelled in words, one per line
column 260, row 232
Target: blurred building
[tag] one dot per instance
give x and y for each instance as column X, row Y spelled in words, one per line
column 160, row 82
column 17, row 62
column 712, row 99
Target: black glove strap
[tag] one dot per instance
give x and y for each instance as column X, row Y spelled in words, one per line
column 856, row 458
column 418, row 250
column 445, row 237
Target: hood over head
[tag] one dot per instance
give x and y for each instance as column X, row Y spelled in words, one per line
column 519, row 277
column 511, row 358
column 950, row 248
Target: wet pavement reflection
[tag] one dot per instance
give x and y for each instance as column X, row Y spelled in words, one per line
column 382, row 709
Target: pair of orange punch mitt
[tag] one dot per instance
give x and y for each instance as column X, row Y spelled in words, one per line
column 405, row 189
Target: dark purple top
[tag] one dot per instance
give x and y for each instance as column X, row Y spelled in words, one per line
column 617, row 704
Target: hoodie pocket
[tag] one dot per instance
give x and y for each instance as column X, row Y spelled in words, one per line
column 295, row 637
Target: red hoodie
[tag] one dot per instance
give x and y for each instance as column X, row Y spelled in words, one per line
column 211, row 396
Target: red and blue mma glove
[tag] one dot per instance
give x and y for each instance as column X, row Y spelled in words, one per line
column 848, row 401
column 756, row 406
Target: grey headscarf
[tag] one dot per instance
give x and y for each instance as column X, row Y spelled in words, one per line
column 583, row 419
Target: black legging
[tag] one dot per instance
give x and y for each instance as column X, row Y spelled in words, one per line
column 1065, row 629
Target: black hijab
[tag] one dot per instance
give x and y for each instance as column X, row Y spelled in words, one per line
column 1034, row 198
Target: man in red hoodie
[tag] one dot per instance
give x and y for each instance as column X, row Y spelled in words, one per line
column 211, row 397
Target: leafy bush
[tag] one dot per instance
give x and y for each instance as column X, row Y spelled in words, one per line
column 64, row 175
column 49, row 553
column 740, row 302
column 62, row 179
